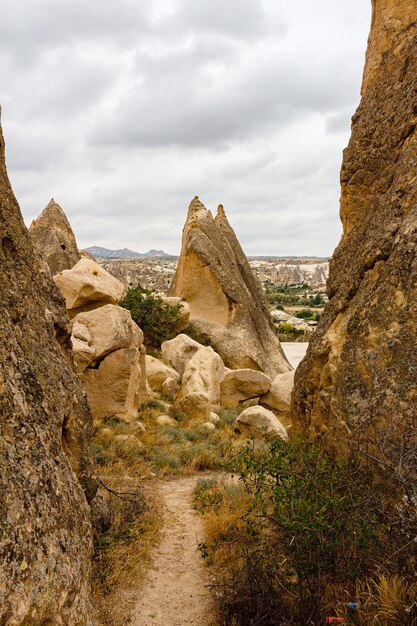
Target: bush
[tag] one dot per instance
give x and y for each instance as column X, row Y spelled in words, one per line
column 305, row 533
column 157, row 319
column 194, row 333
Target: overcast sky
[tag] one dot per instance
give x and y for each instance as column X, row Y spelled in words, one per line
column 124, row 110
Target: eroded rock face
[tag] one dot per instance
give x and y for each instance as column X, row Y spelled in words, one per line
column 53, row 239
column 359, row 376
column 45, row 526
column 179, row 351
column 259, row 422
column 240, row 385
column 278, row 398
column 87, row 286
column 157, row 373
column 107, row 348
column 225, row 298
column 201, row 384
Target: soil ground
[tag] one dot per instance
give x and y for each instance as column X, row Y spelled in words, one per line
column 176, row 590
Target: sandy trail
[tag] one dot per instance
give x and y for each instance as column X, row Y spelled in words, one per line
column 175, row 590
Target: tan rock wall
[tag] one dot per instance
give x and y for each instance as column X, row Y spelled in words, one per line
column 45, row 528
column 358, row 381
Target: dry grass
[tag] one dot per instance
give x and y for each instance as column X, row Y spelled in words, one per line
column 123, row 540
column 385, row 601
column 184, row 449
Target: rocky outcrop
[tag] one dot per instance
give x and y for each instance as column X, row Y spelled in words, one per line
column 87, row 286
column 45, row 527
column 358, row 379
column 157, row 373
column 107, row 344
column 278, row 397
column 238, row 386
column 201, row 384
column 179, row 351
column 226, row 300
column 259, row 422
column 54, row 240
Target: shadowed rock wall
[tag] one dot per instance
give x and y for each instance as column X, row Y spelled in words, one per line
column 359, row 378
column 45, row 530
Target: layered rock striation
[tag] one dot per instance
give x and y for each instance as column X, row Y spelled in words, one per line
column 226, row 300
column 45, row 527
column 359, row 378
column 53, row 239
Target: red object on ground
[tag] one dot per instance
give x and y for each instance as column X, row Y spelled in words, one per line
column 335, row 620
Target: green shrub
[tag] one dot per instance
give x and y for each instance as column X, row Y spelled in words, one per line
column 194, row 333
column 309, row 529
column 157, row 319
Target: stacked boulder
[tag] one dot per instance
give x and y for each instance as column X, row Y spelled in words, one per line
column 107, row 344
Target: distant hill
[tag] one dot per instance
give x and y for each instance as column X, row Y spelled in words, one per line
column 105, row 253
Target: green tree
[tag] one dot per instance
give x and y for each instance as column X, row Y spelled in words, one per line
column 157, row 319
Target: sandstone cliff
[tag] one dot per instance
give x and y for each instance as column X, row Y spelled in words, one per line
column 359, row 378
column 53, row 239
column 226, row 300
column 45, row 535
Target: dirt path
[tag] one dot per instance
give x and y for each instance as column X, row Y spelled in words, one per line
column 175, row 590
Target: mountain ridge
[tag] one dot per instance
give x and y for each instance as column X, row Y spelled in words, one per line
column 99, row 252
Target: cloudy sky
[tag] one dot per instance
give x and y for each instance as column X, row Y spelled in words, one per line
column 124, row 110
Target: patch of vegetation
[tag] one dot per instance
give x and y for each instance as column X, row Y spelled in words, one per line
column 300, row 295
column 297, row 530
column 288, row 332
column 157, row 319
column 194, row 333
column 125, row 530
column 307, row 314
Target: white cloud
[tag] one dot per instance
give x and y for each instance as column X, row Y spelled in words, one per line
column 124, row 110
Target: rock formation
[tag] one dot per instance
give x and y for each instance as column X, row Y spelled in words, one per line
column 54, row 240
column 107, row 349
column 179, row 351
column 201, row 384
column 45, row 527
column 226, row 300
column 87, row 286
column 240, row 385
column 359, row 378
column 259, row 422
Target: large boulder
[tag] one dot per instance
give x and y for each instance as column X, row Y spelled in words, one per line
column 240, row 385
column 87, row 285
column 113, row 387
column 54, row 240
column 179, row 351
column 157, row 373
column 226, row 300
column 107, row 347
column 278, row 397
column 358, row 380
column 96, row 333
column 259, row 422
column 45, row 425
column 201, row 384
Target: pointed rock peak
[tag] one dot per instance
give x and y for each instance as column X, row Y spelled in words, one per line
column 220, row 211
column 197, row 210
column 53, row 238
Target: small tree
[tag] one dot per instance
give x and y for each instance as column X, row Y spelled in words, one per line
column 157, row 319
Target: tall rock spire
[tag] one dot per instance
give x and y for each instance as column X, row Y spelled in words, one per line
column 225, row 298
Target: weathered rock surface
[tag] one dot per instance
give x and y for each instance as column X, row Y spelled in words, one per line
column 201, row 384
column 86, row 286
column 170, row 387
column 259, row 422
column 45, row 527
column 107, row 347
column 112, row 387
column 278, row 398
column 157, row 373
column 240, row 385
column 179, row 351
column 54, row 240
column 225, row 298
column 358, row 379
